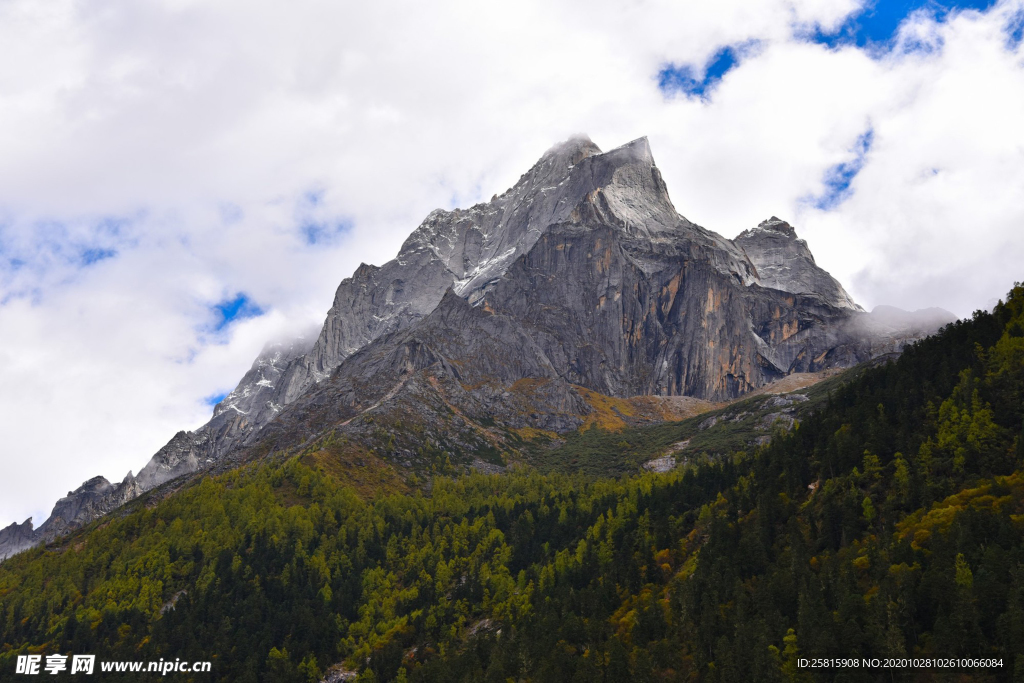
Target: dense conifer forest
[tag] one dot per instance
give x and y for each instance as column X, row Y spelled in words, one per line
column 887, row 524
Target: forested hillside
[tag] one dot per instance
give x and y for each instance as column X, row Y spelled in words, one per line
column 888, row 523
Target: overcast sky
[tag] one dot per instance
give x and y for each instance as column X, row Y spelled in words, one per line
column 182, row 181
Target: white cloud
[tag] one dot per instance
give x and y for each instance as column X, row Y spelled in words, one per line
column 936, row 208
column 200, row 128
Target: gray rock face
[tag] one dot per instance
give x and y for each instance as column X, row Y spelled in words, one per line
column 461, row 357
column 89, row 501
column 784, row 262
column 254, row 402
column 92, row 499
column 17, row 537
column 182, row 455
column 465, row 249
column 580, row 277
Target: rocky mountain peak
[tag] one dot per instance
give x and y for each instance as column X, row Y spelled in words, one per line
column 556, row 162
column 477, row 244
column 95, row 485
column 17, row 537
column 775, row 224
column 785, row 262
column 256, row 390
column 626, row 185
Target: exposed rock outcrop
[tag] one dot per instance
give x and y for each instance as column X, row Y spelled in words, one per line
column 91, row 500
column 17, row 537
column 784, row 262
column 256, row 400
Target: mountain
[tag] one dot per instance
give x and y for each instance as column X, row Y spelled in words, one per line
column 581, row 281
column 880, row 518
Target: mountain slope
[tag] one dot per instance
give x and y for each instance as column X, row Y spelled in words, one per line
column 888, row 524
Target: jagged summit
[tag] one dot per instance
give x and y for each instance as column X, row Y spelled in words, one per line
column 17, row 537
column 581, row 277
column 773, row 224
column 476, row 245
column 785, row 262
column 560, row 157
column 94, row 498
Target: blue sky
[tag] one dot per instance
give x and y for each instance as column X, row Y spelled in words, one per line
column 227, row 312
column 694, row 81
column 877, row 23
column 873, row 27
column 837, row 179
column 215, row 398
column 238, row 307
